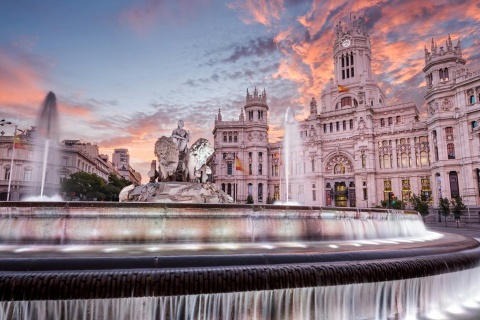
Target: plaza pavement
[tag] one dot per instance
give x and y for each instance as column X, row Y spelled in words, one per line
column 465, row 228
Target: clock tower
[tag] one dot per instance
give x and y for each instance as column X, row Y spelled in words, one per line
column 351, row 53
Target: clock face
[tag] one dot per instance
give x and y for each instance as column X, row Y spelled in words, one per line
column 346, row 43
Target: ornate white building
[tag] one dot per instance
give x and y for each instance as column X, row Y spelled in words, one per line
column 354, row 147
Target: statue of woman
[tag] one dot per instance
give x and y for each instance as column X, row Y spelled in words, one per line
column 181, row 137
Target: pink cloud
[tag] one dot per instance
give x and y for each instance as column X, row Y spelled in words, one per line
column 144, row 15
column 258, row 11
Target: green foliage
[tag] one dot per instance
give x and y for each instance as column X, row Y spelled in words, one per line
column 250, row 199
column 88, row 186
column 420, row 204
column 444, row 208
column 457, row 207
column 396, row 204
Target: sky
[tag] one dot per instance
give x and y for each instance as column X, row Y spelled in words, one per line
column 124, row 72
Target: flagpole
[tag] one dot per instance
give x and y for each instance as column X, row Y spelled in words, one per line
column 11, row 165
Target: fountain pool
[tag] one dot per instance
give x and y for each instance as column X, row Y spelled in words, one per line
column 77, row 260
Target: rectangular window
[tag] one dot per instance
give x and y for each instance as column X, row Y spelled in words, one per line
column 7, row 174
column 324, row 128
column 229, row 168
column 331, row 127
column 338, row 126
column 64, row 161
column 27, row 175
column 351, row 124
column 344, row 125
column 250, row 170
column 63, row 177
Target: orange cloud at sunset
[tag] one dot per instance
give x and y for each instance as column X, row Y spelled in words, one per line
column 20, row 85
column 259, row 11
column 399, row 30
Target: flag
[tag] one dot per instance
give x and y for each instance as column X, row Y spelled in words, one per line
column 239, row 165
column 18, row 143
column 342, row 88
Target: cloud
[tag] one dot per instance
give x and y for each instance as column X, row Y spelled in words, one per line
column 258, row 11
column 144, row 15
column 399, row 30
column 21, row 78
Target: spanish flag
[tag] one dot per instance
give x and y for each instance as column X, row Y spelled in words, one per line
column 239, row 165
column 18, row 143
column 342, row 88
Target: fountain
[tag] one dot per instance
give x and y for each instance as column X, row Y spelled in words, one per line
column 211, row 260
column 47, row 125
column 86, row 260
column 290, row 137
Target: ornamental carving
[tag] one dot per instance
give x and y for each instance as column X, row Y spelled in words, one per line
column 256, row 136
column 431, row 108
column 422, row 146
column 385, row 150
column 403, row 148
column 340, row 163
column 447, row 104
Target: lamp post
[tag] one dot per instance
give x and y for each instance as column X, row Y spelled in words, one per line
column 457, row 117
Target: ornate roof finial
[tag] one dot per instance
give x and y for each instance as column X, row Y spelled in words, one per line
column 219, row 116
column 242, row 116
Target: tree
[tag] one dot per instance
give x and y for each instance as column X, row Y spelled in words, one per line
column 114, row 186
column 420, row 204
column 250, row 199
column 457, row 207
column 444, row 208
column 86, row 186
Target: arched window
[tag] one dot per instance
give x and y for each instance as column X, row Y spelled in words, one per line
column 386, row 161
column 339, row 169
column 346, row 102
column 423, row 158
column 313, row 165
column 229, row 189
column 235, row 139
column 404, row 160
column 276, row 170
column 229, row 138
column 260, row 192
column 223, row 187
column 380, row 160
column 451, row 151
column 7, row 174
column 250, row 189
column 364, row 161
column 436, row 153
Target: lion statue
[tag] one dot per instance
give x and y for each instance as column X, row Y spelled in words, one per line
column 167, row 153
column 195, row 163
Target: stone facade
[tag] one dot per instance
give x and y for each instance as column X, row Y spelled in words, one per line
column 354, row 147
column 64, row 159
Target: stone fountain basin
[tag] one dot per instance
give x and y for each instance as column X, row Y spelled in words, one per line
column 77, row 250
column 77, row 222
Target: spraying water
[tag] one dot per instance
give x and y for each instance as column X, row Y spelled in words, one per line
column 48, row 129
column 291, row 130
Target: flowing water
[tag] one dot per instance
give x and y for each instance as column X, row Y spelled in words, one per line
column 292, row 136
column 447, row 296
column 48, row 128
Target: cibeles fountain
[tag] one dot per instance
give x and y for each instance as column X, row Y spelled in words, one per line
column 181, row 260
column 182, row 173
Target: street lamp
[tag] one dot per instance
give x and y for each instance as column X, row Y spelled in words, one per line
column 457, row 117
column 4, row 122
